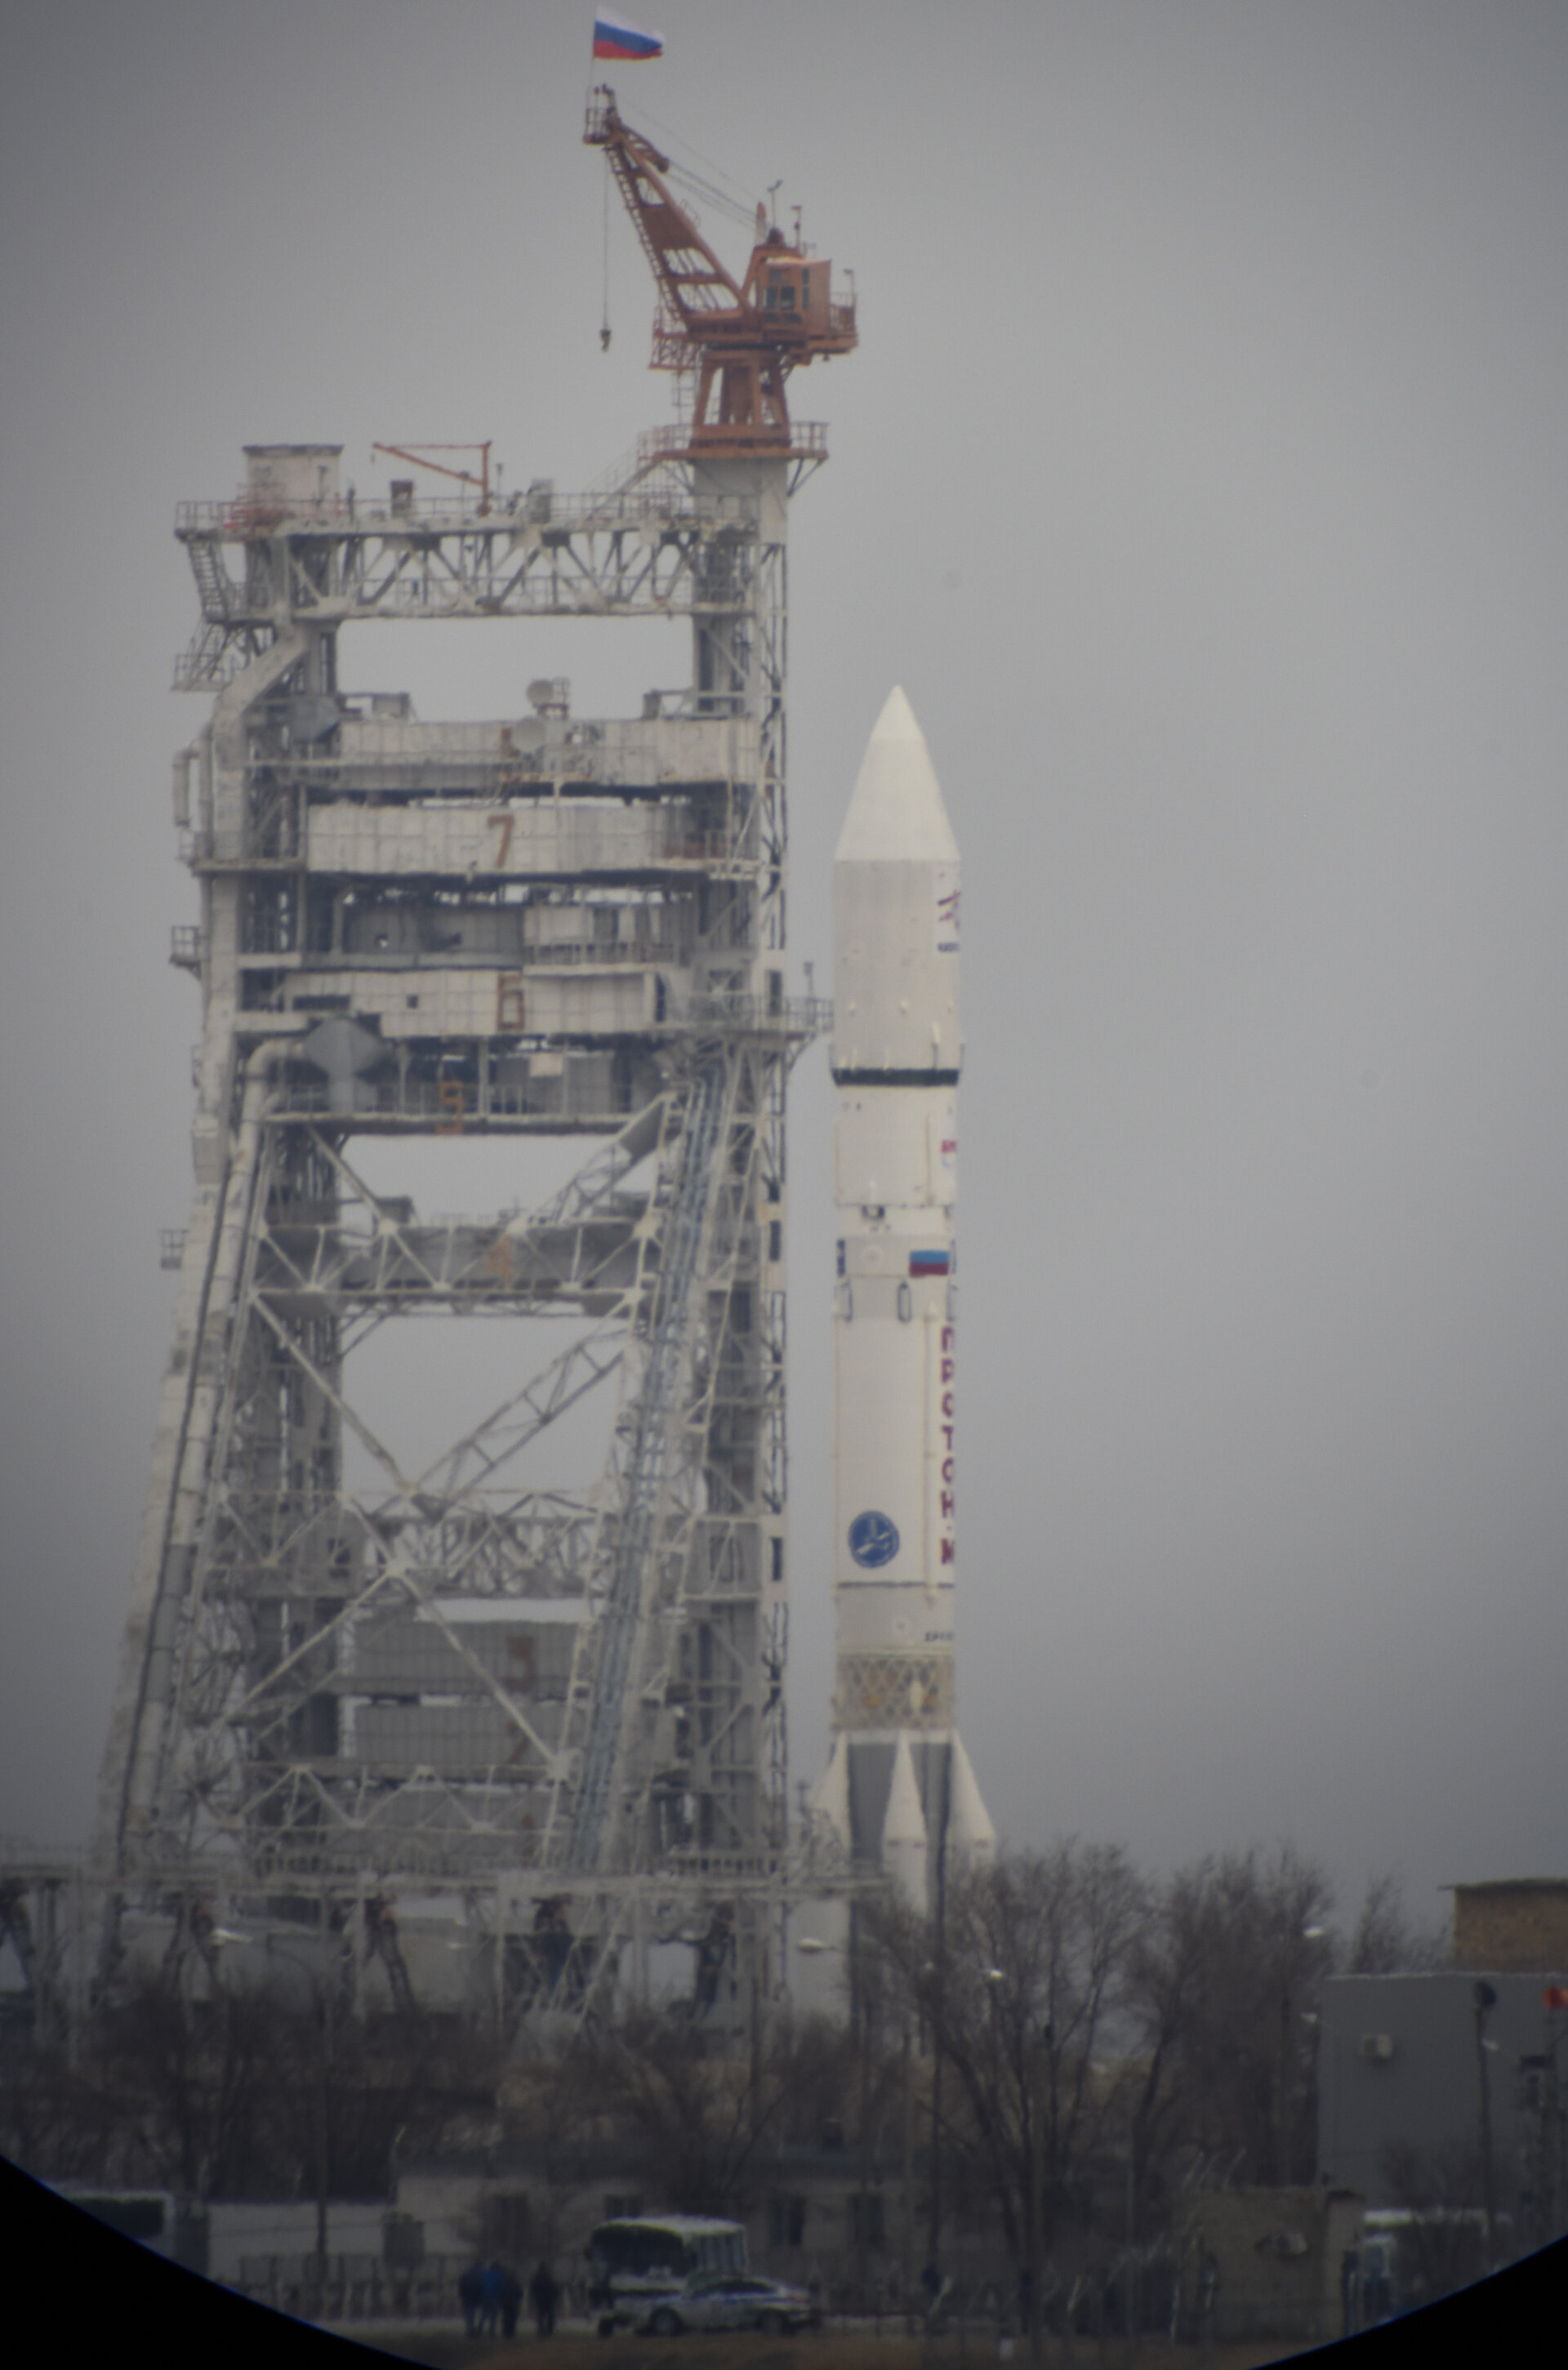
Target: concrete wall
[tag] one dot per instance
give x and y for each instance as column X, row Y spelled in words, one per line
column 801, row 2226
column 1515, row 1927
column 236, row 2232
column 1276, row 2256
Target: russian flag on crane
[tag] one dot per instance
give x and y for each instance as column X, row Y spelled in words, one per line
column 614, row 37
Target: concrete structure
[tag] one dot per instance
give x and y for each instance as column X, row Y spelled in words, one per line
column 898, row 1791
column 1258, row 2264
column 522, row 929
column 1403, row 2114
column 547, row 1707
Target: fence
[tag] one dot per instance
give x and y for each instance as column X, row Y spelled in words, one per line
column 352, row 2287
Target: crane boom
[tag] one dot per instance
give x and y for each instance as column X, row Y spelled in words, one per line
column 741, row 338
column 691, row 281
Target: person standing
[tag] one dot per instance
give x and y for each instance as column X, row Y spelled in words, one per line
column 511, row 2298
column 544, row 2294
column 471, row 2297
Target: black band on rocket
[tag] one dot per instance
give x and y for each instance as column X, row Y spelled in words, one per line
column 896, row 1077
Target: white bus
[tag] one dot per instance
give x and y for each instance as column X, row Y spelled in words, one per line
column 636, row 2258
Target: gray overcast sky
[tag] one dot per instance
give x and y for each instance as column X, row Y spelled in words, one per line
column 1200, row 476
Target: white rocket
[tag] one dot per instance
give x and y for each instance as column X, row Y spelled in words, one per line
column 898, row 1790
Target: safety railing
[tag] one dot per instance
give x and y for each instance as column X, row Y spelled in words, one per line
column 806, row 441
column 448, row 1106
column 796, row 1016
column 251, row 518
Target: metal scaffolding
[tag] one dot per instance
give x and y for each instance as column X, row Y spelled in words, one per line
column 550, row 1715
column 558, row 1713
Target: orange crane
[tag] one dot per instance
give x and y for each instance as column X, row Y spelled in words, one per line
column 741, row 340
column 417, row 457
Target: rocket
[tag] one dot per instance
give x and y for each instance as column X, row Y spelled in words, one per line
column 898, row 1791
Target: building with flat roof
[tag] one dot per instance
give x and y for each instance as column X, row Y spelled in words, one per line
column 1421, row 2076
column 1512, row 1925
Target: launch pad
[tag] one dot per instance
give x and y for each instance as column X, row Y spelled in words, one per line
column 456, row 1726
column 361, row 1692
column 543, row 925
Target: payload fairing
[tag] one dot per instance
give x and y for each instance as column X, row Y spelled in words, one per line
column 898, row 1790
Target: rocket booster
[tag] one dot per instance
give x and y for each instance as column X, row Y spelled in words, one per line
column 899, row 1789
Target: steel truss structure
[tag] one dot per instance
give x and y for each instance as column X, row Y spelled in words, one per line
column 556, row 1711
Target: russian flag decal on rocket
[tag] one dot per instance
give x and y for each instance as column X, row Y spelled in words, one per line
column 614, row 37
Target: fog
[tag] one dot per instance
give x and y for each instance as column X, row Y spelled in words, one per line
column 1200, row 476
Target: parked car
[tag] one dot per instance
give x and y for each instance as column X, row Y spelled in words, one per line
column 730, row 2300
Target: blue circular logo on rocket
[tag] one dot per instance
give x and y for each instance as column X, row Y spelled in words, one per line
column 873, row 1540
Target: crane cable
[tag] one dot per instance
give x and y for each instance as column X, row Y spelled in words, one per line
column 604, row 316
column 732, row 202
column 735, row 208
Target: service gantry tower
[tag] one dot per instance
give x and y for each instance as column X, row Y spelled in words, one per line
column 555, row 1712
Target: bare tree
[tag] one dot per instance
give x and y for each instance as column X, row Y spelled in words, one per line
column 1226, row 1983
column 60, row 2122
column 1016, row 1983
column 704, row 2115
column 1442, row 2187
column 191, row 2083
column 1388, row 1941
column 218, row 2090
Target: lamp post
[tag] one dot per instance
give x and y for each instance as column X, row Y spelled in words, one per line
column 1038, row 2092
column 934, row 2254
column 321, row 2104
column 1287, row 2054
column 939, row 1996
column 1551, row 2179
column 1483, row 1999
column 1034, row 2079
column 810, row 1945
column 321, row 1978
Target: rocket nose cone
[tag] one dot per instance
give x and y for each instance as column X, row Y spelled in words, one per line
column 896, row 814
column 897, row 721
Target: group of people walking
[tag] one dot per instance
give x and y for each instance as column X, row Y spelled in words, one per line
column 491, row 2297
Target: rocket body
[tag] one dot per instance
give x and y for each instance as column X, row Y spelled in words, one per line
column 899, row 1789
